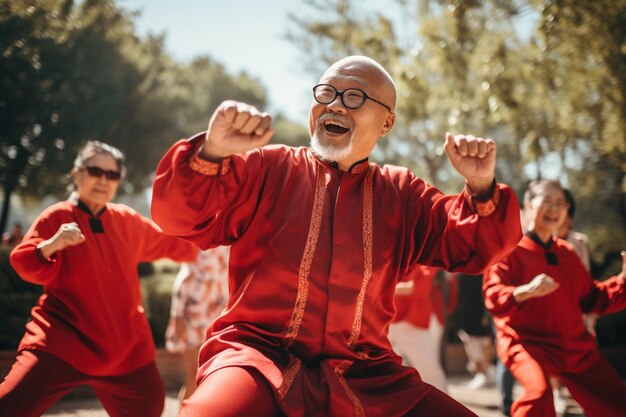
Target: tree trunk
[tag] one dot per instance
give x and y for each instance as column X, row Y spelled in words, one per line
column 15, row 168
column 6, row 206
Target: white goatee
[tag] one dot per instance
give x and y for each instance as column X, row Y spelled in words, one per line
column 332, row 151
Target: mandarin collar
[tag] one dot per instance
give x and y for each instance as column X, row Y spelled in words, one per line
column 356, row 168
column 75, row 201
column 95, row 224
column 547, row 247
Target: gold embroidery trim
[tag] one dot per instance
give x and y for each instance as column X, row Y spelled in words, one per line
column 307, row 259
column 339, row 370
column 289, row 375
column 367, row 255
column 209, row 168
column 483, row 207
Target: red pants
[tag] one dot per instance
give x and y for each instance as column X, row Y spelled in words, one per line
column 235, row 391
column 599, row 390
column 37, row 380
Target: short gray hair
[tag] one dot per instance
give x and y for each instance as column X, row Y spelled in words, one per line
column 536, row 186
column 94, row 147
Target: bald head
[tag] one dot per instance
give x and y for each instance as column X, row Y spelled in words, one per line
column 347, row 133
column 367, row 72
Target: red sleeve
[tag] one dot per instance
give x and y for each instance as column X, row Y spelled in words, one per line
column 28, row 261
column 605, row 297
column 498, row 287
column 458, row 235
column 209, row 204
column 154, row 244
column 599, row 297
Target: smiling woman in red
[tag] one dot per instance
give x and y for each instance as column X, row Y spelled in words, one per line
column 537, row 295
column 89, row 326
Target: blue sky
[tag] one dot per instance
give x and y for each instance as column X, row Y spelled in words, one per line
column 242, row 35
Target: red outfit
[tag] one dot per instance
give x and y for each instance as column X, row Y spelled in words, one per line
column 38, row 380
column 425, row 299
column 417, row 307
column 547, row 335
column 316, row 253
column 90, row 315
column 417, row 328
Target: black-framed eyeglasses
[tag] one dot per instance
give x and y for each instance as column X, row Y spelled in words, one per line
column 99, row 172
column 559, row 205
column 352, row 98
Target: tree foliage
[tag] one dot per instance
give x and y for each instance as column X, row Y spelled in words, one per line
column 546, row 79
column 64, row 79
column 75, row 70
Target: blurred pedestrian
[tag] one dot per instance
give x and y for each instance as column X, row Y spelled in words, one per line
column 199, row 295
column 14, row 237
column 475, row 332
column 416, row 332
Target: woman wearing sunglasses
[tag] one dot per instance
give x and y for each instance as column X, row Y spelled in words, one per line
column 89, row 326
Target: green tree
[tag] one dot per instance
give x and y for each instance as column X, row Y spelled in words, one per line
column 74, row 71
column 289, row 133
column 179, row 103
column 64, row 79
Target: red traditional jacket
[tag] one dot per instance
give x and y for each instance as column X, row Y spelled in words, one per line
column 315, row 257
column 90, row 313
column 550, row 329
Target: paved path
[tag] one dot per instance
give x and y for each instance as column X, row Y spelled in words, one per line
column 90, row 407
column 483, row 402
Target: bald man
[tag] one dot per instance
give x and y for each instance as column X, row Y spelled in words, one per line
column 319, row 238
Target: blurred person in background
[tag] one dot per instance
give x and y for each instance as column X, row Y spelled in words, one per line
column 537, row 295
column 89, row 326
column 475, row 332
column 13, row 237
column 416, row 332
column 199, row 295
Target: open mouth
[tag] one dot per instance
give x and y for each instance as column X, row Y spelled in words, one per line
column 333, row 127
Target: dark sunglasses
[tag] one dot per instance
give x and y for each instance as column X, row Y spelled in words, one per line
column 99, row 172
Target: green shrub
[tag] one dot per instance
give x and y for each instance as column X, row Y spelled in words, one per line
column 145, row 269
column 159, row 303
column 157, row 298
column 17, row 297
